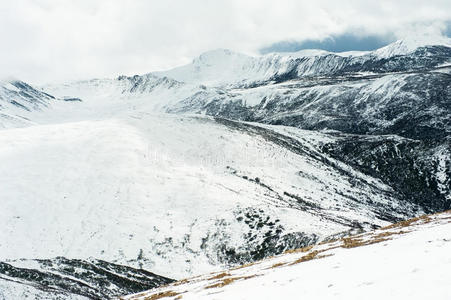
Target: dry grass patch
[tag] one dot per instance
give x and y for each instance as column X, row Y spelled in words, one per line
column 162, row 295
column 387, row 233
column 227, row 281
column 219, row 276
column 180, row 282
column 276, row 266
column 307, row 257
column 246, row 265
column 424, row 220
column 351, row 242
column 305, row 249
column 421, row 219
column 312, row 255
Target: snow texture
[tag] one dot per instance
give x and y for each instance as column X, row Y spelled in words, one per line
column 409, row 260
column 189, row 171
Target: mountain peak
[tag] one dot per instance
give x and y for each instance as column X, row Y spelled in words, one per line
column 408, row 45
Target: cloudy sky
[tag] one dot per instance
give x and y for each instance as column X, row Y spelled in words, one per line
column 59, row 40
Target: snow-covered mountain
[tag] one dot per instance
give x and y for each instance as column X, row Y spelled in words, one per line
column 18, row 101
column 224, row 67
column 222, row 162
column 179, row 195
column 409, row 260
column 399, row 89
column 410, row 45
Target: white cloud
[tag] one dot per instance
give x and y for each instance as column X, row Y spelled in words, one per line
column 44, row 40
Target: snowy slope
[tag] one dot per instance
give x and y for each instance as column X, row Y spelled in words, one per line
column 98, row 169
column 20, row 101
column 409, row 260
column 176, row 195
column 12, row 290
column 61, row 278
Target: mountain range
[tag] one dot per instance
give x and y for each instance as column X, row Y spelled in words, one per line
column 222, row 162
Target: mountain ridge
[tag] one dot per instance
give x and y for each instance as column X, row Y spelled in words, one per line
column 248, row 158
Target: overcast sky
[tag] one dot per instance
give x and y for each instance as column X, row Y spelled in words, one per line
column 58, row 40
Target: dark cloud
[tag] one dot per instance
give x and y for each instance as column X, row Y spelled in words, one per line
column 447, row 30
column 339, row 43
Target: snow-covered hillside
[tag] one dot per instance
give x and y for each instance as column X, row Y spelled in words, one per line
column 219, row 163
column 177, row 195
column 62, row 278
column 409, row 260
column 19, row 101
column 401, row 89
